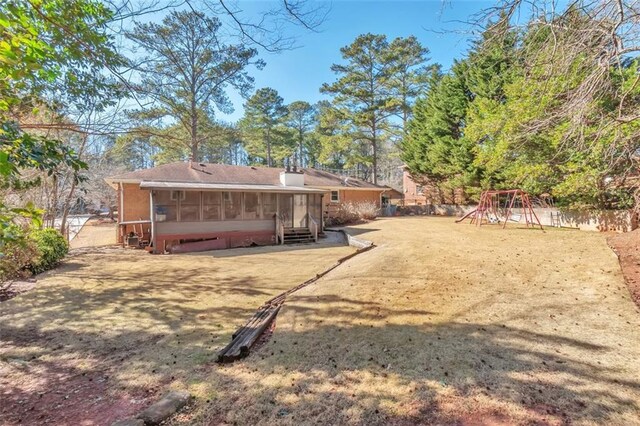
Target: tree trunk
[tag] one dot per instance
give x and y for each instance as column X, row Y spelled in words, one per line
column 375, row 152
column 301, row 140
column 268, row 149
column 194, row 131
column 66, row 208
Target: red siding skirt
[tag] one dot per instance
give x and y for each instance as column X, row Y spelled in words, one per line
column 212, row 241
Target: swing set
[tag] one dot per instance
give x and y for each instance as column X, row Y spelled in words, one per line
column 503, row 206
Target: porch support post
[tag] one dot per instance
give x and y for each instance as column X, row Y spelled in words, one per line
column 321, row 213
column 121, row 230
column 152, row 216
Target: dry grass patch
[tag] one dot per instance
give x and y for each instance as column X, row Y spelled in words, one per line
column 103, row 335
column 95, row 233
column 447, row 324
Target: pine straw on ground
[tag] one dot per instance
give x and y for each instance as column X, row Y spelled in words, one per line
column 111, row 330
column 446, row 323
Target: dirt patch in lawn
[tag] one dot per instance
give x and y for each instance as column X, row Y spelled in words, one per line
column 627, row 247
column 112, row 329
column 446, row 323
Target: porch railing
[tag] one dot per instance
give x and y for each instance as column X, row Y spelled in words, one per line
column 279, row 229
column 313, row 227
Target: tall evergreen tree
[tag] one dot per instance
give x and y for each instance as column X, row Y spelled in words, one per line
column 301, row 118
column 188, row 71
column 261, row 125
column 409, row 75
column 336, row 146
column 435, row 147
column 362, row 93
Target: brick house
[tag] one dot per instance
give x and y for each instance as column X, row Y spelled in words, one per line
column 414, row 193
column 189, row 206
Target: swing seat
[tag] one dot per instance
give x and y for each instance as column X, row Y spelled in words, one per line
column 518, row 216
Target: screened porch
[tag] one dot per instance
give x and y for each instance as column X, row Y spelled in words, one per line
column 235, row 217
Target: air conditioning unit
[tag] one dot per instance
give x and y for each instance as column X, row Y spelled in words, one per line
column 177, row 195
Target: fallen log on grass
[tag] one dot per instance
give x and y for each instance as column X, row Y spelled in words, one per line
column 247, row 335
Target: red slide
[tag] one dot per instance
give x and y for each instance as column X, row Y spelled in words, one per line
column 466, row 216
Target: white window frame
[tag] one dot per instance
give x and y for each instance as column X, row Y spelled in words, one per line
column 337, row 200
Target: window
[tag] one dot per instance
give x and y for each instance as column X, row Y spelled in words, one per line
column 190, row 206
column 232, row 205
column 211, row 205
column 251, row 205
column 335, row 196
column 166, row 209
column 269, row 205
column 419, row 190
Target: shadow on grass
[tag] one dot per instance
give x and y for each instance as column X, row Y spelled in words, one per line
column 353, row 374
column 349, row 363
column 78, row 354
column 356, row 362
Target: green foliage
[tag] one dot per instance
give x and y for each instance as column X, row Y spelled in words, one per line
column 51, row 247
column 16, row 254
column 436, row 146
column 337, row 148
column 20, row 151
column 50, row 52
column 377, row 81
column 267, row 140
column 31, row 252
column 522, row 111
column 186, row 74
column 301, row 119
column 54, row 47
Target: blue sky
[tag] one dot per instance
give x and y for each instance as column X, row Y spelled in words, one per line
column 298, row 74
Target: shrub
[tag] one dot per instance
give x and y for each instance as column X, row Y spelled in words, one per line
column 353, row 212
column 366, row 210
column 51, row 246
column 16, row 255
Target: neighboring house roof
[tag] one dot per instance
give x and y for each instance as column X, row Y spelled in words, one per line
column 208, row 173
column 394, row 193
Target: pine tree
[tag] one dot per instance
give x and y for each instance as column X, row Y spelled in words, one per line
column 187, row 72
column 264, row 114
column 301, row 118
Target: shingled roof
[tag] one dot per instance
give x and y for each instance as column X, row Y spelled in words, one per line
column 238, row 175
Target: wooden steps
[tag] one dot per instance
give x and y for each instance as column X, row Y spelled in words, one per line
column 298, row 236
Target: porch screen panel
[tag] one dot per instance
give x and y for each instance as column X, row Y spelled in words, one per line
column 166, row 209
column 232, row 205
column 269, row 205
column 315, row 206
column 285, row 207
column 211, row 205
column 190, row 207
column 251, row 205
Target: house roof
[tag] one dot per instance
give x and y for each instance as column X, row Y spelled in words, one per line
column 227, row 187
column 209, row 173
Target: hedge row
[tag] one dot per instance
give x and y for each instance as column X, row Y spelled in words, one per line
column 38, row 251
